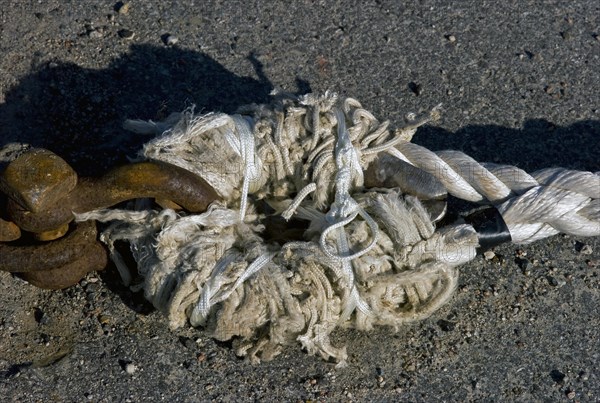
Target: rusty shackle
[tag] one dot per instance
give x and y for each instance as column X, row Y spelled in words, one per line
column 43, row 194
column 44, row 190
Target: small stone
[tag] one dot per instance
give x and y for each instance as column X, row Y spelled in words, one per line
column 571, row 394
column 523, row 264
column 95, row 34
column 126, row 34
column 489, row 255
column 556, row 90
column 104, row 319
column 170, row 40
column 40, row 317
column 555, row 282
column 201, row 357
column 451, row 38
column 122, row 7
column 586, row 250
column 130, row 368
column 416, row 89
column 188, row 342
column 92, row 288
column 446, row 325
column 410, row 367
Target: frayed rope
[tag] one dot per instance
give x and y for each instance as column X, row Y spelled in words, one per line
column 366, row 257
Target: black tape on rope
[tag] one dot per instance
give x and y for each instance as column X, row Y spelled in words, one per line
column 490, row 227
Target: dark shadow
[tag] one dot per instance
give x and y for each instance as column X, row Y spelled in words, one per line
column 14, row 369
column 78, row 112
column 539, row 144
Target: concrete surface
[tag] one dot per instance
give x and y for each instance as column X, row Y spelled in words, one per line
column 519, row 82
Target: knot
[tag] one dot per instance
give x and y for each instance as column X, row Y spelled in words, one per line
column 345, row 209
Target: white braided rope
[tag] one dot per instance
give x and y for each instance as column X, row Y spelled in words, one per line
column 368, row 257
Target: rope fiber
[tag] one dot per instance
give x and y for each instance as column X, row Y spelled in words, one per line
column 369, row 255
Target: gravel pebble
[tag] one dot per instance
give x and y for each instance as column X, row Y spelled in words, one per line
column 416, row 89
column 170, row 40
column 556, row 282
column 489, row 255
column 446, row 325
column 126, row 34
column 586, row 250
column 130, row 368
column 95, row 34
column 122, row 7
column 567, row 35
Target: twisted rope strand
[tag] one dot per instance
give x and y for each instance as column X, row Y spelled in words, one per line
column 536, row 206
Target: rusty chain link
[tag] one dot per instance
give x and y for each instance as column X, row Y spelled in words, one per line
column 40, row 192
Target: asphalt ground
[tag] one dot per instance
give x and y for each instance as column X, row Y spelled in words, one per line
column 519, row 82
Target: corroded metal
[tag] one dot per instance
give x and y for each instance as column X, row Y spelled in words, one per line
column 40, row 256
column 43, row 195
column 94, row 259
column 9, row 231
column 56, row 264
column 139, row 180
column 37, row 178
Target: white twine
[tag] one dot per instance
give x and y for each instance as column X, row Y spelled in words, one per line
column 369, row 257
column 242, row 141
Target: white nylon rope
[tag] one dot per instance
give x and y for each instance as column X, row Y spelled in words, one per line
column 344, row 210
column 243, row 145
column 213, row 293
column 533, row 207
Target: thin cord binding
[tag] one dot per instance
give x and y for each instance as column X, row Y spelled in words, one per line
column 369, row 256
